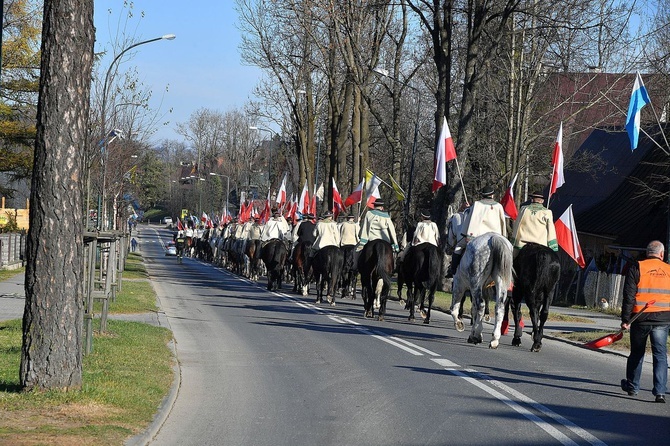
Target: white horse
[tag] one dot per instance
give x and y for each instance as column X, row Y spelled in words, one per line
column 487, row 258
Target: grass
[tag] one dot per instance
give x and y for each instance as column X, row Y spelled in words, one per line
column 9, row 273
column 125, row 379
column 135, row 267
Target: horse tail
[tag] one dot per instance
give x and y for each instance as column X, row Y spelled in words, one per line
column 383, row 266
column 502, row 267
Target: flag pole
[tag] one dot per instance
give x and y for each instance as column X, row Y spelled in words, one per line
column 551, row 181
column 641, row 129
column 460, row 175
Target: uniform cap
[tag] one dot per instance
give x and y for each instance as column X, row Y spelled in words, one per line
column 379, row 203
column 537, row 194
column 487, row 191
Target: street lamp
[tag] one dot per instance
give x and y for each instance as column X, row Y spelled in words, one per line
column 105, row 91
column 269, row 150
column 384, row 73
column 227, row 186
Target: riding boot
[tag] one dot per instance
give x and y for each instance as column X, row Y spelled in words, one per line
column 455, row 260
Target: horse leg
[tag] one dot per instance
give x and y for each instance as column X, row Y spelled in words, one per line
column 431, row 299
column 539, row 317
column 501, row 295
column 457, row 309
column 383, row 297
column 478, row 304
column 411, row 298
column 515, row 303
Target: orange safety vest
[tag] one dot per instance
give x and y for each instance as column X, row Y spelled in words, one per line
column 654, row 284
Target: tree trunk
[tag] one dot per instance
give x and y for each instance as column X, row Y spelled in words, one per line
column 51, row 356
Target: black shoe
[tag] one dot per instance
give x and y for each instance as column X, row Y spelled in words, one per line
column 660, row 399
column 626, row 387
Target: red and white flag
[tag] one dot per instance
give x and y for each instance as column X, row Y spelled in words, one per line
column 303, row 204
column 204, row 217
column 444, row 152
column 338, row 206
column 557, row 178
column 507, row 201
column 265, row 215
column 372, row 190
column 566, row 236
column 281, row 194
column 355, row 196
column 180, row 227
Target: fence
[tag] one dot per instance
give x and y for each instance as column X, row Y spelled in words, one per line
column 12, row 250
column 600, row 285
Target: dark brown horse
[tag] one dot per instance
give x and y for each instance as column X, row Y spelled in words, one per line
column 253, row 252
column 300, row 268
column 274, row 255
column 375, row 264
column 327, row 267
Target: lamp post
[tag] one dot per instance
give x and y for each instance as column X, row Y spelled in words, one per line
column 227, row 186
column 105, row 91
column 384, row 73
column 269, row 150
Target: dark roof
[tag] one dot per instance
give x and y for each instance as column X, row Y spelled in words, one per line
column 610, row 202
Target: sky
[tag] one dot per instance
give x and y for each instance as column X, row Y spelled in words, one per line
column 201, row 68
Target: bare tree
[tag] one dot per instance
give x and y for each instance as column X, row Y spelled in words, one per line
column 51, row 355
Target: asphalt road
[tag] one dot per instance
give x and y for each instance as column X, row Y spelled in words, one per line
column 262, row 368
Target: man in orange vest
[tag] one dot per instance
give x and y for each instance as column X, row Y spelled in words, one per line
column 648, row 280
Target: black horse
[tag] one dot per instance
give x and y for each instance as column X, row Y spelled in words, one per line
column 537, row 270
column 327, row 268
column 421, row 271
column 349, row 273
column 274, row 255
column 253, row 250
column 375, row 265
column 300, row 268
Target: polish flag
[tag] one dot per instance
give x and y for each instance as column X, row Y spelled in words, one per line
column 356, row 196
column 507, row 201
column 557, row 178
column 265, row 215
column 180, row 227
column 204, row 217
column 566, row 236
column 303, row 204
column 338, row 206
column 372, row 191
column 281, row 194
column 444, row 152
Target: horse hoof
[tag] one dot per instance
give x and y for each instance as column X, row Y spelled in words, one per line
column 424, row 314
column 459, row 326
column 426, row 321
column 402, row 302
column 536, row 348
column 368, row 314
column 411, row 318
column 332, row 304
column 493, row 344
column 516, row 342
column 380, row 318
column 474, row 340
column 487, row 318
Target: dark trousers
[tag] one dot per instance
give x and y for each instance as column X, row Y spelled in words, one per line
column 659, row 349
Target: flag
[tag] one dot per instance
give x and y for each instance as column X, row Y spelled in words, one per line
column 303, row 204
column 338, row 206
column 399, row 193
column 566, row 236
column 180, row 227
column 355, row 196
column 312, row 204
column 557, row 178
column 319, row 192
column 638, row 99
column 444, row 152
column 372, row 188
column 204, row 217
column 281, row 194
column 507, row 201
column 265, row 215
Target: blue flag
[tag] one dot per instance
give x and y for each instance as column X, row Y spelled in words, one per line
column 638, row 99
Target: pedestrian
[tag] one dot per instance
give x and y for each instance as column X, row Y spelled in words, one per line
column 647, row 280
column 133, row 244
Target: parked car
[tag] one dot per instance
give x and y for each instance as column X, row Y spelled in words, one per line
column 167, row 220
column 170, row 249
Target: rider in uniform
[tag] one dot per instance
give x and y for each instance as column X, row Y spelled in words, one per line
column 377, row 224
column 275, row 228
column 534, row 224
column 486, row 215
column 349, row 231
column 326, row 233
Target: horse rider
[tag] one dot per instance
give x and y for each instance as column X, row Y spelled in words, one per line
column 377, row 224
column 349, row 230
column 486, row 215
column 535, row 223
column 304, row 230
column 426, row 231
column 275, row 228
column 326, row 233
column 456, row 239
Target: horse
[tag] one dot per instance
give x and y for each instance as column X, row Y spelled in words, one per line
column 348, row 276
column 537, row 269
column 326, row 268
column 253, row 252
column 421, row 271
column 375, row 265
column 487, row 258
column 274, row 255
column 300, row 268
